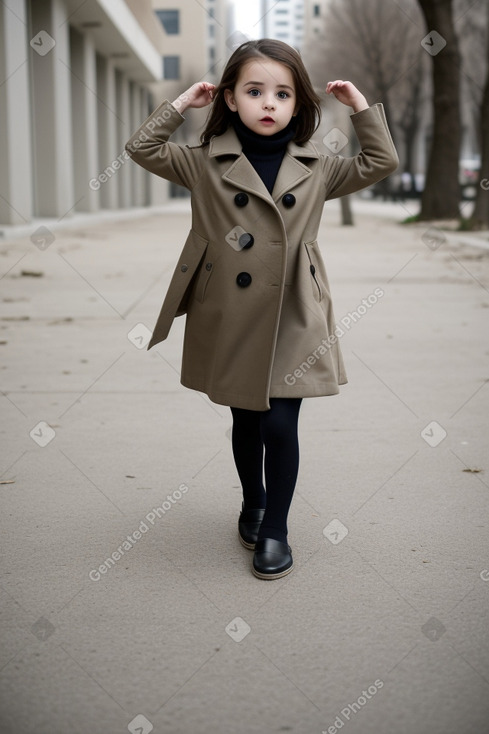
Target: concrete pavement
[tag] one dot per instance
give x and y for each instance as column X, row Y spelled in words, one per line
column 127, row 601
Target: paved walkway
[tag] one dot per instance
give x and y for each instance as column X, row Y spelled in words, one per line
column 127, row 600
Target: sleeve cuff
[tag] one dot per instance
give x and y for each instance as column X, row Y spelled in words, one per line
column 377, row 107
column 161, row 123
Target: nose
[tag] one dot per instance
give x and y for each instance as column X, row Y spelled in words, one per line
column 269, row 102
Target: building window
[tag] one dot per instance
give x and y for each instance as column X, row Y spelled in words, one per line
column 171, row 67
column 317, row 11
column 170, row 20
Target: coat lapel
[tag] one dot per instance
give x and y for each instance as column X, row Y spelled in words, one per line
column 293, row 169
column 291, row 173
column 242, row 174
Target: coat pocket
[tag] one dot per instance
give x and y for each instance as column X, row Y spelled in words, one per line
column 179, row 293
column 191, row 263
column 202, row 277
column 314, row 270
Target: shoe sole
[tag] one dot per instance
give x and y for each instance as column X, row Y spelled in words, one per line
column 270, row 576
column 249, row 546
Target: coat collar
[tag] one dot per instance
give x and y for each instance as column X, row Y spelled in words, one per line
column 242, row 174
column 228, row 144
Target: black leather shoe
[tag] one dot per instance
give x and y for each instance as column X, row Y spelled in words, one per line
column 248, row 526
column 272, row 559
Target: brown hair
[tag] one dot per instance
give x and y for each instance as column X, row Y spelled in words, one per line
column 309, row 114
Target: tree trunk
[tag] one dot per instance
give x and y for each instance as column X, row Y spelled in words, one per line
column 480, row 216
column 409, row 142
column 384, row 187
column 410, row 120
column 441, row 196
column 346, row 212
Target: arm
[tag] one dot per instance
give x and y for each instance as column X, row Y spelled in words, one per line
column 378, row 157
column 149, row 146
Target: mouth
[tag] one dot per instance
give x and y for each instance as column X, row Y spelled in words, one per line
column 267, row 119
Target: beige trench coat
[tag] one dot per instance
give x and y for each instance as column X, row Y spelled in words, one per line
column 251, row 278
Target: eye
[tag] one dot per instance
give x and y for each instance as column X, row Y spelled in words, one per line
column 285, row 95
column 251, row 92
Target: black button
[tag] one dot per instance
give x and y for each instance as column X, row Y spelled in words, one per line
column 246, row 240
column 288, row 200
column 184, row 268
column 208, row 266
column 312, row 269
column 241, row 199
column 243, row 280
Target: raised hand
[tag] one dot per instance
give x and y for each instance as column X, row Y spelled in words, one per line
column 199, row 94
column 348, row 94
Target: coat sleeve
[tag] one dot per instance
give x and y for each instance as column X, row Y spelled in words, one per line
column 149, row 147
column 377, row 159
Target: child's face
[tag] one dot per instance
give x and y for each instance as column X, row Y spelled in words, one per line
column 264, row 96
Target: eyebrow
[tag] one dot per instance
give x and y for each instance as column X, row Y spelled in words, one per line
column 261, row 84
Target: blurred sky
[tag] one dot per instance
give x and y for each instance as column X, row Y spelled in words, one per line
column 247, row 14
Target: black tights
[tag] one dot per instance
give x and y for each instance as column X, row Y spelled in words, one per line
column 273, row 432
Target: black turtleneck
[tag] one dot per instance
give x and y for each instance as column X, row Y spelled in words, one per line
column 265, row 152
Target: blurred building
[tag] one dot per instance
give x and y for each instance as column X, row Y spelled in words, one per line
column 283, row 20
column 195, row 41
column 194, row 49
column 73, row 85
column 76, row 79
column 314, row 14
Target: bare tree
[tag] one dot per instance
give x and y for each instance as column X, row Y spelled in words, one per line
column 410, row 111
column 471, row 27
column 376, row 44
column 480, row 215
column 441, row 194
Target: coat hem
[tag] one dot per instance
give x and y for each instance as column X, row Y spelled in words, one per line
column 309, row 391
column 238, row 400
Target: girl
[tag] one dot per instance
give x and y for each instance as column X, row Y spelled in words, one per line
column 259, row 333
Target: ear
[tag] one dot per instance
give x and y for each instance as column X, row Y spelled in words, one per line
column 230, row 101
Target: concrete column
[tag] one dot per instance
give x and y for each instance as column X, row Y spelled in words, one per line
column 144, row 111
column 158, row 187
column 123, row 133
column 51, row 82
column 15, row 117
column 138, row 174
column 84, row 118
column 108, row 149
